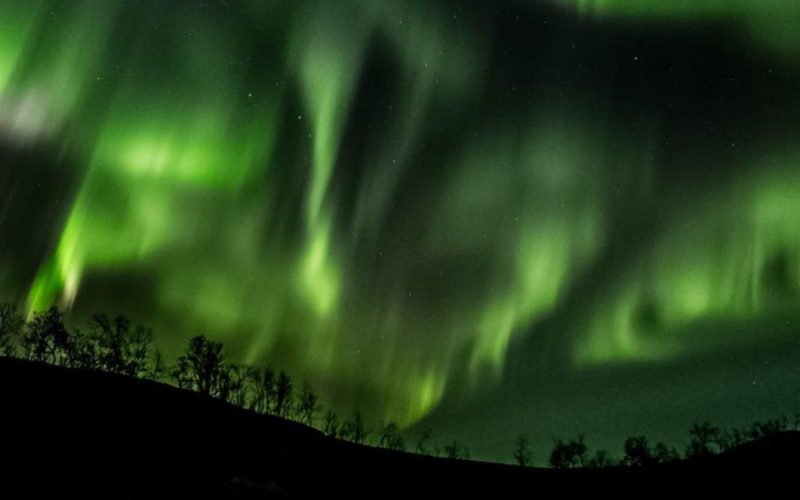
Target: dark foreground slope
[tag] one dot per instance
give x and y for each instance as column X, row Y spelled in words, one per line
column 73, row 434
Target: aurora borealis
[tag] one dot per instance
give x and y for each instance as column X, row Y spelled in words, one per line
column 419, row 206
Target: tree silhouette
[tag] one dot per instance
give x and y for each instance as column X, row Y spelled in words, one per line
column 157, row 370
column 769, row 428
column 238, row 389
column 264, row 394
column 703, row 436
column 601, row 458
column 346, row 431
column 121, row 348
column 662, row 453
column 11, row 324
column 111, row 341
column 307, row 406
column 138, row 351
column 522, row 452
column 456, row 451
column 45, row 337
column 330, row 425
column 201, row 368
column 391, row 438
column 637, row 452
column 569, row 454
column 360, row 431
column 284, row 389
column 81, row 351
column 421, row 447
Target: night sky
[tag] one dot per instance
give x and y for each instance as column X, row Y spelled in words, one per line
column 487, row 218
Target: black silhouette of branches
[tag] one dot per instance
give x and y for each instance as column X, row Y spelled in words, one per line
column 11, row 324
column 522, row 452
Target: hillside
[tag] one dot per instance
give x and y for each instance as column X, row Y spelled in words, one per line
column 68, row 433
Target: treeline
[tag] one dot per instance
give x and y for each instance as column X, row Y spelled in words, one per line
column 705, row 440
column 116, row 345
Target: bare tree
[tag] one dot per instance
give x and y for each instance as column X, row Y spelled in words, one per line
column 121, row 347
column 138, row 351
column 45, row 337
column 307, row 406
column 330, row 426
column 283, row 395
column 264, row 394
column 201, row 367
column 111, row 335
column 357, row 429
column 347, row 431
column 421, row 446
column 522, row 452
column 391, row 438
column 238, row 388
column 81, row 351
column 11, row 324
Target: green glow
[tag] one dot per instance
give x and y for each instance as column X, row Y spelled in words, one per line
column 740, row 260
column 319, row 277
column 16, row 24
column 775, row 24
column 212, row 167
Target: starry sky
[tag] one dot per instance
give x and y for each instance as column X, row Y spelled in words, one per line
column 487, row 218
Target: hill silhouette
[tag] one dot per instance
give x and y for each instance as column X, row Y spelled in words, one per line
column 84, row 434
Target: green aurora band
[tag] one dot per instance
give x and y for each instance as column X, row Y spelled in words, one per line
column 175, row 118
